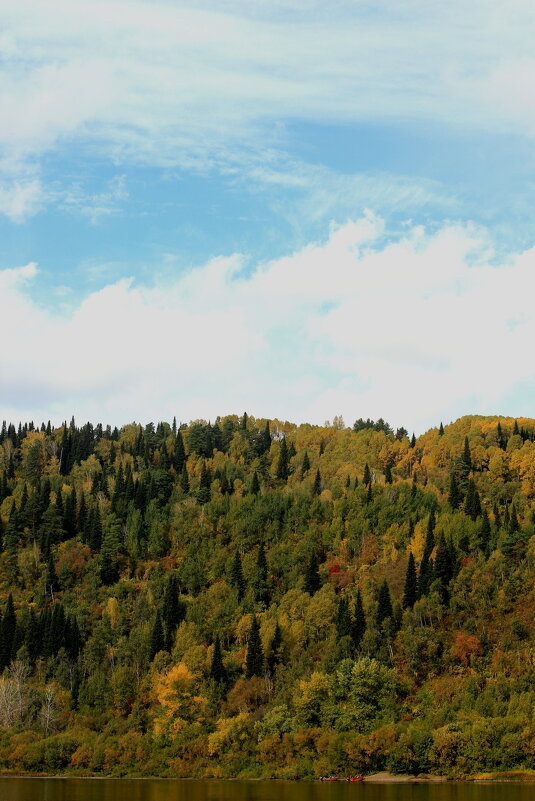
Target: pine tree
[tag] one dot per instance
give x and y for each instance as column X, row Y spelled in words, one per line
column 283, row 468
column 358, row 626
column 236, row 576
column 255, row 484
column 441, row 430
column 218, row 672
column 367, row 478
column 204, row 485
column 513, row 525
column 184, row 480
column 275, row 649
column 260, row 582
column 442, row 569
column 265, row 439
column 157, row 642
column 180, row 454
column 109, row 568
column 254, row 664
column 454, row 496
column 426, row 565
column 410, row 590
column 316, row 488
column 384, row 605
column 388, row 474
column 413, row 441
column 312, row 576
column 343, row 619
column 173, row 611
column 305, row 465
column 7, row 634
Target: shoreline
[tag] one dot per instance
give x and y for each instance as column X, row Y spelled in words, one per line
column 382, row 777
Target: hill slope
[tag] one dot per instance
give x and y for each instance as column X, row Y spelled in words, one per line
column 260, row 598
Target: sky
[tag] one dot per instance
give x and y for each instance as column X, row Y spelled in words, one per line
column 294, row 209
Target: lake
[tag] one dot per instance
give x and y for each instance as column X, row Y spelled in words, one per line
column 69, row 789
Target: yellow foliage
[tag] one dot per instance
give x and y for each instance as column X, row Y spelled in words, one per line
column 229, row 731
column 180, row 706
column 417, row 543
column 112, row 610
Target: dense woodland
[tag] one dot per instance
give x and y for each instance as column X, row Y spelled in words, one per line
column 256, row 598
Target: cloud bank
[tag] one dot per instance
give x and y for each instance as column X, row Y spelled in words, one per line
column 416, row 327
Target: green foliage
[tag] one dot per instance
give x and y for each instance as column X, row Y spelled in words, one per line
column 202, row 599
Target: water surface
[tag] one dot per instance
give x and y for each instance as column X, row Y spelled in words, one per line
column 69, row 789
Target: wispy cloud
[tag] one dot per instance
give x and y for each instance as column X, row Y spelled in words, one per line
column 414, row 327
column 170, row 84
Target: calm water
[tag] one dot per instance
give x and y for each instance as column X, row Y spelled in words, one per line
column 15, row 789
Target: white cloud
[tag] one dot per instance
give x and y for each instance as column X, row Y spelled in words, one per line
column 414, row 328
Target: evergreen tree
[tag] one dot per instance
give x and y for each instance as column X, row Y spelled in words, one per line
column 442, row 569
column 426, row 565
column 204, row 485
column 260, row 582
column 265, row 439
column 410, row 590
column 236, row 576
column 109, row 568
column 367, row 478
column 343, row 619
column 218, row 672
column 413, row 441
column 275, row 649
column 173, row 611
column 51, row 580
column 312, row 576
column 7, row 634
column 513, row 525
column 283, row 467
column 316, row 489
column 184, row 480
column 180, row 454
column 358, row 626
column 454, row 496
column 255, row 484
column 254, row 664
column 388, row 474
column 441, row 430
column 157, row 641
column 384, row 605
column 305, row 465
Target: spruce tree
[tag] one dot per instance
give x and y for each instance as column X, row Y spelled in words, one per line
column 204, row 485
column 316, row 488
column 218, row 672
column 184, row 480
column 7, row 634
column 358, row 626
column 441, row 430
column 236, row 576
column 384, row 605
column 260, row 581
column 343, row 619
column 275, row 649
column 426, row 565
column 442, row 569
column 388, row 474
column 157, row 641
column 265, row 439
column 312, row 576
column 410, row 590
column 254, row 664
column 367, row 478
column 255, row 484
column 283, row 468
column 454, row 496
column 173, row 611
column 305, row 465
column 413, row 441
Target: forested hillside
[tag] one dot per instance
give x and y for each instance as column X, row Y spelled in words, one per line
column 256, row 598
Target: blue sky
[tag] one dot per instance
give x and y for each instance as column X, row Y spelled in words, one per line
column 278, row 151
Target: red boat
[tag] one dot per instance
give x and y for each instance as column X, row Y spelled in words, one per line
column 356, row 779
